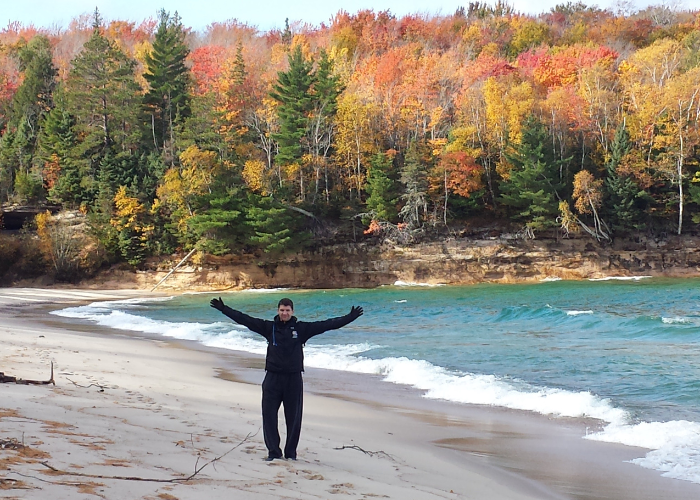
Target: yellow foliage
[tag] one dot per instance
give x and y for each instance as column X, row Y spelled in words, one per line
column 567, row 218
column 300, row 40
column 437, row 145
column 507, row 106
column 129, row 213
column 254, row 175
column 588, row 193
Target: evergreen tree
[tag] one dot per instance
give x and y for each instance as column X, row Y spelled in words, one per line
column 33, row 99
column 414, row 176
column 275, row 229
column 533, row 185
column 382, row 198
column 102, row 96
column 293, row 91
column 167, row 101
column 53, row 154
column 624, row 201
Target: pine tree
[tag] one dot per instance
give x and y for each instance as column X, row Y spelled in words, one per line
column 53, row 154
column 293, row 91
column 167, row 101
column 275, row 229
column 533, row 185
column 103, row 97
column 382, row 198
column 33, row 99
column 624, row 200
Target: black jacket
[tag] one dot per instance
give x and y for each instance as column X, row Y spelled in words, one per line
column 285, row 340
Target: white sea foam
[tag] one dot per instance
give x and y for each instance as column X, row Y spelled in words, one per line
column 401, row 301
column 412, row 283
column 550, row 278
column 676, row 320
column 620, row 278
column 578, row 313
column 675, row 446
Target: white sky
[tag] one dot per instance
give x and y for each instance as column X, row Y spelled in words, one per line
column 264, row 14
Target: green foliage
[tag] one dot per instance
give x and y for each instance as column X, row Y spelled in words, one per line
column 102, row 95
column 29, row 186
column 382, row 199
column 531, row 190
column 624, row 200
column 33, row 99
column 167, row 101
column 293, row 91
column 275, row 228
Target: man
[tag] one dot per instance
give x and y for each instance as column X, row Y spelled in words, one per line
column 284, row 363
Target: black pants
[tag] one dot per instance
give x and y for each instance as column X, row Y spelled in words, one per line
column 286, row 389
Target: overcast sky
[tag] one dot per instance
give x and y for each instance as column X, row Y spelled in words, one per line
column 265, row 14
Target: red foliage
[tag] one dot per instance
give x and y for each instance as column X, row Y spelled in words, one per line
column 207, row 64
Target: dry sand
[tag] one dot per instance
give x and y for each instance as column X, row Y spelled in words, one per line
column 133, row 418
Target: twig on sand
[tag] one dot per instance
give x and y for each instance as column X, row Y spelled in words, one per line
column 10, row 379
column 102, row 388
column 379, row 453
column 147, row 479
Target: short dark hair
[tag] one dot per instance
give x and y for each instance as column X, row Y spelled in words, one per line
column 285, row 302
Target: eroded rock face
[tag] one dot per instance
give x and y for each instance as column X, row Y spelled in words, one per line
column 452, row 262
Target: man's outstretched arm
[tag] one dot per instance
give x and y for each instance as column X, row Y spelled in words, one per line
column 256, row 325
column 317, row 327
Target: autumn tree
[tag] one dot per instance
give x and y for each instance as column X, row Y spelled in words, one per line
column 322, row 126
column 129, row 222
column 414, row 177
column 588, row 198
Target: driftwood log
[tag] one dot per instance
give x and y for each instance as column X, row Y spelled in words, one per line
column 8, row 379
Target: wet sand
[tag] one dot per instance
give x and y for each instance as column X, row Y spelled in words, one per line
column 133, row 417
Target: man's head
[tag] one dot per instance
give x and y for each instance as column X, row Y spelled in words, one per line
column 285, row 309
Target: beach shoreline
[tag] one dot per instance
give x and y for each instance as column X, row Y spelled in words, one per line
column 157, row 408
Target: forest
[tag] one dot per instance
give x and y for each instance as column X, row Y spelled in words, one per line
column 372, row 126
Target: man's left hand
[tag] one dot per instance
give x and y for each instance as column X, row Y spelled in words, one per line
column 356, row 312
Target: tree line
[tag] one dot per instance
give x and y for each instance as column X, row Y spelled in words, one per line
column 578, row 119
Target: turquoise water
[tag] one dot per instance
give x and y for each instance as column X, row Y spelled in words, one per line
column 625, row 352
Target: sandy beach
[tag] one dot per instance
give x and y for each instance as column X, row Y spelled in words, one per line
column 137, row 417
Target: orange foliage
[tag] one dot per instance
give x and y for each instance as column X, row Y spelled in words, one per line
column 207, row 65
column 463, row 173
column 561, row 68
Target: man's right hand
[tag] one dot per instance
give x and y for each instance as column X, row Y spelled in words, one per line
column 217, row 304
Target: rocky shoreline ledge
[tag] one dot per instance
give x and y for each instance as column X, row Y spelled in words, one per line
column 456, row 261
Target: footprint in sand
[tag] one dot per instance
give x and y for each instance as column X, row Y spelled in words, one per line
column 307, row 474
column 342, row 489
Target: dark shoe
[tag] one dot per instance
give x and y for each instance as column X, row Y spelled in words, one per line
column 270, row 459
column 291, row 458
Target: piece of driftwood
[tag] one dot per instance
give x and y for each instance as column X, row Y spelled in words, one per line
column 8, row 379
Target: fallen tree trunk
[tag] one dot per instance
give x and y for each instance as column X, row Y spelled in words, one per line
column 8, row 379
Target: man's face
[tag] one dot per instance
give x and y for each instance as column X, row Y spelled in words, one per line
column 285, row 312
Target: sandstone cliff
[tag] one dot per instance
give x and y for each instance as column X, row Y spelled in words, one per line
column 456, row 261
